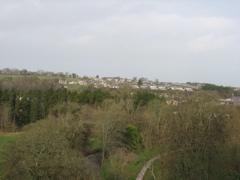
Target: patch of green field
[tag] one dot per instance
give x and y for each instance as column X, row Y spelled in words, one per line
column 6, row 139
column 76, row 86
column 93, row 145
column 40, row 77
column 7, row 76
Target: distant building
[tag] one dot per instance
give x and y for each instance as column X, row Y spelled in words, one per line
column 82, row 82
column 236, row 99
column 73, row 82
column 63, row 81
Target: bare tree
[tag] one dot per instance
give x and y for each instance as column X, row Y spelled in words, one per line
column 15, row 71
column 24, row 72
column 198, row 126
column 6, row 71
column 110, row 121
column 40, row 72
column 6, row 122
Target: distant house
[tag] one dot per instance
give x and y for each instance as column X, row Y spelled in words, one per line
column 162, row 88
column 180, row 88
column 128, row 80
column 73, row 82
column 135, row 86
column 63, row 81
column 226, row 101
column 82, row 82
column 188, row 89
column 114, row 86
column 236, row 99
column 144, row 86
column 153, row 87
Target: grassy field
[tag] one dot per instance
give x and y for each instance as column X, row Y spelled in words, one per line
column 40, row 77
column 6, row 76
column 6, row 139
column 70, row 86
column 76, row 86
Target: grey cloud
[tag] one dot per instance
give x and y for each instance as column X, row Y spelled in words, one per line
column 166, row 39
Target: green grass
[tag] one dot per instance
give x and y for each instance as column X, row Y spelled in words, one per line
column 71, row 86
column 93, row 145
column 76, row 86
column 7, row 76
column 5, row 140
column 2, row 76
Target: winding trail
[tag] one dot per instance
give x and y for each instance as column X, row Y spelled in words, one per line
column 149, row 163
column 95, row 160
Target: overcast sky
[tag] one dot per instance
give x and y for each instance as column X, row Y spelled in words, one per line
column 172, row 41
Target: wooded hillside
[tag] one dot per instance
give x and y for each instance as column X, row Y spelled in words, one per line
column 123, row 129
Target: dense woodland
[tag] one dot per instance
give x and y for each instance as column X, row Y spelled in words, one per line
column 59, row 129
column 213, row 87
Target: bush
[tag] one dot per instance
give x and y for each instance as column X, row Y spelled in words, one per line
column 132, row 138
column 44, row 152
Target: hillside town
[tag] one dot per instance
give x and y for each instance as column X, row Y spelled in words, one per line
column 143, row 83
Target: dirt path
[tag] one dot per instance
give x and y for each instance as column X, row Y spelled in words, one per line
column 149, row 163
column 95, row 160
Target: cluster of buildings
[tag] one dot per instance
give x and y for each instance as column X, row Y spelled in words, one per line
column 233, row 100
column 143, row 83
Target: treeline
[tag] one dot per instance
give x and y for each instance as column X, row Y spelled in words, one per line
column 21, row 108
column 29, row 83
column 123, row 128
column 220, row 89
column 14, row 71
column 127, row 130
